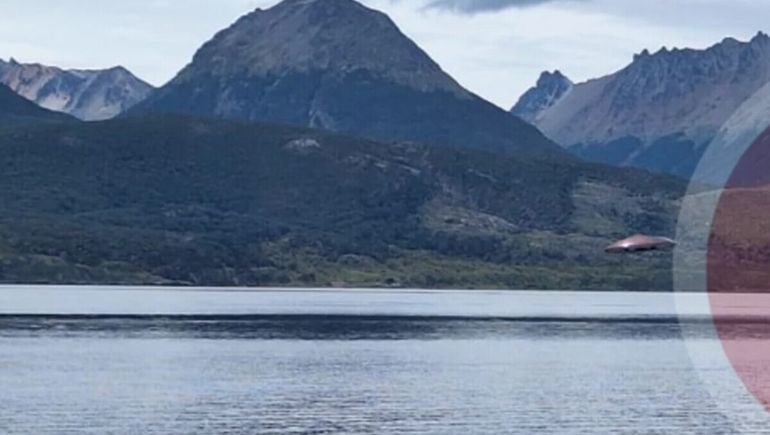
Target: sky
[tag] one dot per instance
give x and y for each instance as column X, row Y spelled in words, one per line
column 495, row 48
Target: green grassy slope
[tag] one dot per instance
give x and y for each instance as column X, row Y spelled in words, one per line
column 194, row 201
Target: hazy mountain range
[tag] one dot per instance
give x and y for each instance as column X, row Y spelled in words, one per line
column 660, row 112
column 86, row 94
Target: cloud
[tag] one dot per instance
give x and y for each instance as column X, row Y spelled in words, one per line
column 475, row 6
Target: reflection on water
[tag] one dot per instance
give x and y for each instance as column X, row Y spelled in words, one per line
column 333, row 327
column 304, row 372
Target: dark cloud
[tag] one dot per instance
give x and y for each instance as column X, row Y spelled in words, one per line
column 474, row 6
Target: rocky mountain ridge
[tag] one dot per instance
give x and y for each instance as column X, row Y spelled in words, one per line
column 89, row 95
column 660, row 111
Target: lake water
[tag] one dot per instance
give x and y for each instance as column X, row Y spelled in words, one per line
column 169, row 361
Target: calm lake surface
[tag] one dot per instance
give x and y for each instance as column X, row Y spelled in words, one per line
column 167, row 361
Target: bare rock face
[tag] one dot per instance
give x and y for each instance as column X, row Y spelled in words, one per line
column 550, row 89
column 86, row 94
column 659, row 112
column 335, row 36
column 338, row 65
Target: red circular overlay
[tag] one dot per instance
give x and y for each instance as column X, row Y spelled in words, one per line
column 738, row 269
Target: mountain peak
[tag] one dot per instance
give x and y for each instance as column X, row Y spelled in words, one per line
column 335, row 7
column 760, row 38
column 547, row 77
column 326, row 4
column 118, row 69
column 341, row 66
column 643, row 55
column 550, row 88
column 333, row 36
